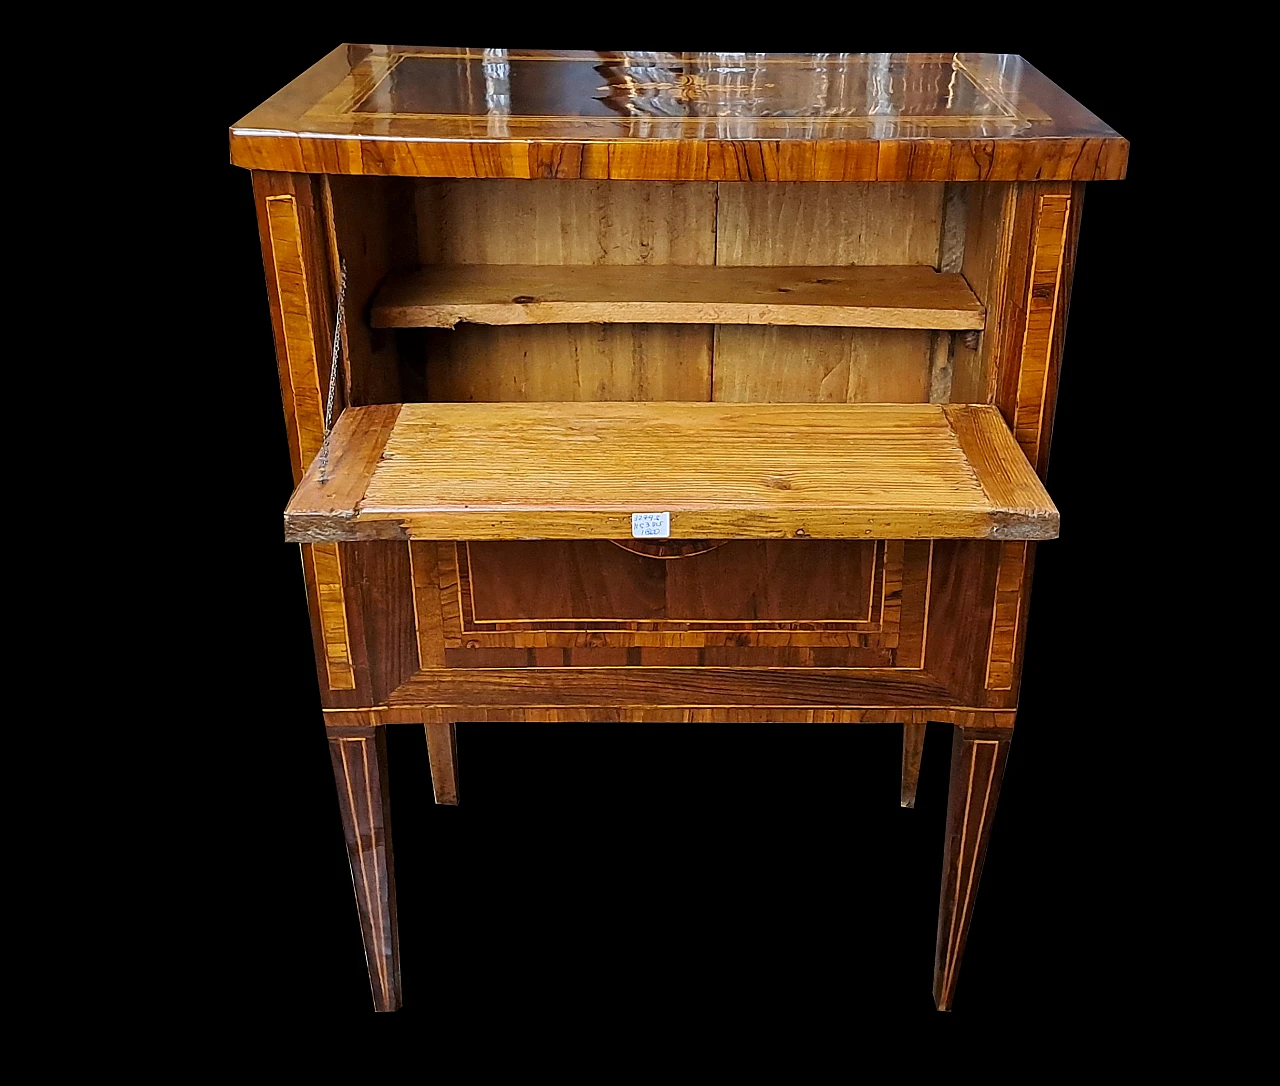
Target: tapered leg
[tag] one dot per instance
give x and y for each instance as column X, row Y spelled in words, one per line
column 442, row 748
column 977, row 765
column 912, row 745
column 360, row 768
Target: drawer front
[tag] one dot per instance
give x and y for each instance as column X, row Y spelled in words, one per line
column 737, row 603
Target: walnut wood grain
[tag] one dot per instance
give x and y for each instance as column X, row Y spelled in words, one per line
column 847, row 297
column 378, row 715
column 574, row 471
column 703, row 686
column 401, row 110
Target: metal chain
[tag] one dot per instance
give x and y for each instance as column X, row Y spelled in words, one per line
column 338, row 322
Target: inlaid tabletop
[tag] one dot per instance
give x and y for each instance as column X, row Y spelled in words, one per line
column 412, row 110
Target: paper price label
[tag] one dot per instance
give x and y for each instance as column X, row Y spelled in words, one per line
column 650, row 525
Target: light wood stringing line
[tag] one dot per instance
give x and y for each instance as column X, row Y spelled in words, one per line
column 372, row 903
column 297, row 322
column 730, row 622
column 952, row 934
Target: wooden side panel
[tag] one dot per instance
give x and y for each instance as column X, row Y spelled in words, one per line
column 298, row 276
column 961, row 595
column 821, row 365
column 298, row 279
column 567, row 222
column 987, row 246
column 380, row 600
column 808, row 224
column 370, row 226
column 360, row 595
column 1044, row 301
column 1032, row 308
column 478, row 363
column 1041, row 228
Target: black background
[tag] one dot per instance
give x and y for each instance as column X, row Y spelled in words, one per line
column 662, row 874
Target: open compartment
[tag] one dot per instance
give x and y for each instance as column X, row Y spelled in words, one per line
column 551, row 290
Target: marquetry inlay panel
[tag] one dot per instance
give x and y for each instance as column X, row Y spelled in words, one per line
column 877, row 619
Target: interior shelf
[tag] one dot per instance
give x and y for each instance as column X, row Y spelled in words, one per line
column 720, row 470
column 442, row 296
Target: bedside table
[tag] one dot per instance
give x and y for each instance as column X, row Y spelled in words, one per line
column 668, row 387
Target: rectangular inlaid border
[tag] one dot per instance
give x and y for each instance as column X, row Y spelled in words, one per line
column 304, row 401
column 881, row 563
column 903, row 589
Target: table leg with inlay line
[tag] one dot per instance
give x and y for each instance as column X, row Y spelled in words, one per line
column 359, row 756
column 978, row 757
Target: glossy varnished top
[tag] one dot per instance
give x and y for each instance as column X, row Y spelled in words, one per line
column 434, row 112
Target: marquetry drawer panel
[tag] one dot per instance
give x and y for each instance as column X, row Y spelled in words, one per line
column 737, row 603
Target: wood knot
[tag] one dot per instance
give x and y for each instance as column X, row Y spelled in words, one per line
column 523, row 299
column 777, row 482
